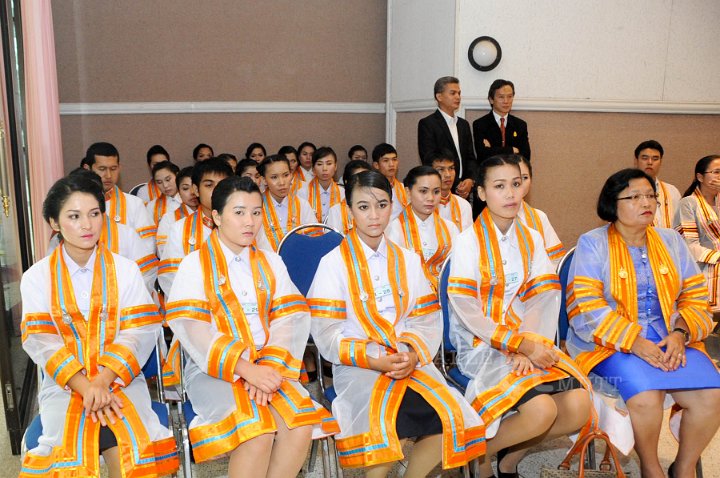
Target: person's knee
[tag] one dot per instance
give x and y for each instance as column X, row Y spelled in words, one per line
column 707, row 399
column 301, row 436
column 646, row 402
column 258, row 445
column 577, row 405
column 543, row 411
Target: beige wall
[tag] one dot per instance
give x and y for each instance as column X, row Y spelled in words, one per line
column 574, row 153
column 222, row 50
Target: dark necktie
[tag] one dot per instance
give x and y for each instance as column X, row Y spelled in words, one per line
column 502, row 130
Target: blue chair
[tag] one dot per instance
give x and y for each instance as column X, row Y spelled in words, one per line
column 563, row 269
column 450, row 371
column 301, row 252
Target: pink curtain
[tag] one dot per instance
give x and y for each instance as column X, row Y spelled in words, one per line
column 43, row 111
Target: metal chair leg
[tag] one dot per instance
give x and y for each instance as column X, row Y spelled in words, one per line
column 313, row 456
column 185, row 443
column 590, row 460
column 326, row 457
column 336, row 460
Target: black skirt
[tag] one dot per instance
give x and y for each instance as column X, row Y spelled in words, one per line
column 416, row 418
column 107, row 439
column 550, row 388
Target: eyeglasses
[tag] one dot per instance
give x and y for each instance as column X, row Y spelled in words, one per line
column 637, row 197
column 714, row 172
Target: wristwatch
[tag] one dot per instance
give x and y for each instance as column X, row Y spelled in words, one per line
column 684, row 332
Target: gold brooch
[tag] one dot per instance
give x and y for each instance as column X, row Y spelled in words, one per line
column 623, row 274
column 664, row 269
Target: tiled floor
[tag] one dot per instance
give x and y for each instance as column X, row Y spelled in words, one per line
column 549, row 454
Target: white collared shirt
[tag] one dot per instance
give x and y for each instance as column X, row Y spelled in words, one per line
column 241, row 282
column 281, row 209
column 497, row 119
column 466, row 219
column 426, row 231
column 309, row 173
column 512, row 268
column 325, row 199
column 81, row 278
column 452, row 125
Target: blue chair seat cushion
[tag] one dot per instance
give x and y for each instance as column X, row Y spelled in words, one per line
column 459, row 377
column 330, row 394
column 188, row 412
column 33, row 432
column 162, row 413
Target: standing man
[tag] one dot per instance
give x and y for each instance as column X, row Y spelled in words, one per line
column 444, row 130
column 648, row 158
column 499, row 132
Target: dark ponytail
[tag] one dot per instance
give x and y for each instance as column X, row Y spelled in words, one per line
column 700, row 168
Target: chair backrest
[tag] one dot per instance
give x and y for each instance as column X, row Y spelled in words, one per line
column 150, row 369
column 445, row 304
column 301, row 253
column 136, row 188
column 563, row 270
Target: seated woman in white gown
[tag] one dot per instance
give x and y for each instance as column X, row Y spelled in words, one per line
column 244, row 326
column 90, row 323
column 376, row 318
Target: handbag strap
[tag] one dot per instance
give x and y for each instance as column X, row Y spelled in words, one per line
column 588, row 434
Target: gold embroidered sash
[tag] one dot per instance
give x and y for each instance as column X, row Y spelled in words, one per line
column 411, row 233
column 623, row 281
column 362, row 293
column 314, row 190
column 271, row 223
column 228, row 313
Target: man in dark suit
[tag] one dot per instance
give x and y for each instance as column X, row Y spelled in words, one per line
column 445, row 131
column 499, row 132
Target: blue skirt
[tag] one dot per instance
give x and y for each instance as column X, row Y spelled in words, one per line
column 632, row 375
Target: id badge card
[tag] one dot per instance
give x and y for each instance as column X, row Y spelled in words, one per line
column 382, row 291
column 250, row 308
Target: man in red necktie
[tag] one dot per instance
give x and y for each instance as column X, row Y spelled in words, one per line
column 498, row 131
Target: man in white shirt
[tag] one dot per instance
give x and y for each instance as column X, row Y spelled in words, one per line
column 444, row 130
column 104, row 160
column 452, row 207
column 648, row 158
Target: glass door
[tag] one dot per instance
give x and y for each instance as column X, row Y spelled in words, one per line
column 17, row 372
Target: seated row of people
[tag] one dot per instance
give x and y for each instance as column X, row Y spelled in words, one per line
column 420, row 184
column 375, row 316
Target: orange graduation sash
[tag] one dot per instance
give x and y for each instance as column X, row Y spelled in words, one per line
column 432, row 265
column 455, row 214
column 314, row 190
column 271, row 223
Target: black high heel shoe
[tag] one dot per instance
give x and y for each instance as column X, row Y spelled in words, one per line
column 671, row 470
column 500, row 455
